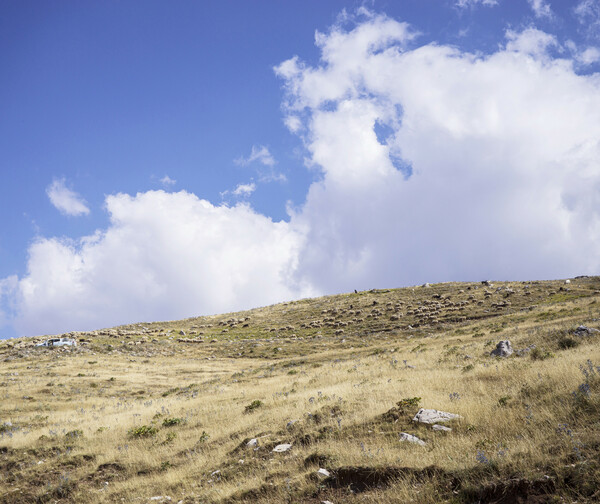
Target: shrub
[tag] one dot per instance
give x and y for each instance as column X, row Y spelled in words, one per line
column 74, row 433
column 142, row 431
column 566, row 342
column 253, row 406
column 540, row 354
column 170, row 422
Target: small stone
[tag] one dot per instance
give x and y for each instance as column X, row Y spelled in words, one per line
column 584, row 331
column 182, row 333
column 328, row 502
column 411, row 439
column 282, row 448
column 431, row 416
column 443, row 428
column 323, row 473
column 290, row 424
column 503, row 349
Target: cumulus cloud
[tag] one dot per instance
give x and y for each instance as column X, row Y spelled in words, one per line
column 65, row 200
column 498, row 184
column 259, row 153
column 434, row 164
column 164, row 256
column 540, row 8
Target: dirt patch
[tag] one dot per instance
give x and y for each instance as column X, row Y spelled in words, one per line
column 515, row 491
column 361, row 479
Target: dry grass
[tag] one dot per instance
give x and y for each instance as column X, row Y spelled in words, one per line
column 529, row 421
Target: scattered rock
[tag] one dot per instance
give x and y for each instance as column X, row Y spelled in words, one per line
column 503, row 349
column 431, row 416
column 161, row 498
column 585, row 331
column 282, row 448
column 442, row 428
column 253, row 443
column 487, row 283
column 323, row 473
column 411, row 439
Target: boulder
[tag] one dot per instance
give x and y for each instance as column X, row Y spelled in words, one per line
column 442, row 428
column 411, row 439
column 431, row 416
column 503, row 349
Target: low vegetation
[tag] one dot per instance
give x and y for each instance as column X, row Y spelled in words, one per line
column 191, row 411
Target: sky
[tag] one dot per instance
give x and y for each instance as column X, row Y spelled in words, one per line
column 162, row 160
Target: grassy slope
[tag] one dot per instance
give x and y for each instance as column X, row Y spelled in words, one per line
column 530, row 423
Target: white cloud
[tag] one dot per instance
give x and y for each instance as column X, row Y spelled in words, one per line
column 259, row 153
column 472, row 3
column 589, row 56
column 167, row 181
column 244, row 189
column 540, row 8
column 588, row 14
column 65, row 200
column 164, row 256
column 530, row 41
column 503, row 151
column 490, row 168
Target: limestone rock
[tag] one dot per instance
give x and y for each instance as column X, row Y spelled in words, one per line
column 323, row 473
column 442, row 428
column 503, row 349
column 431, row 416
column 411, row 439
column 584, row 331
column 282, row 448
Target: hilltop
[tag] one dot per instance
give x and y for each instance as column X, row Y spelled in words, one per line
column 191, row 411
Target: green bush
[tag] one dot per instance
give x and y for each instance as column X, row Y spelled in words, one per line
column 142, row 431
column 254, row 405
column 170, row 422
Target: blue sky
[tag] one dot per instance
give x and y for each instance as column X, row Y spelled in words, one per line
column 301, row 147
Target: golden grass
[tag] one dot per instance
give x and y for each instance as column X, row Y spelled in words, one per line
column 521, row 417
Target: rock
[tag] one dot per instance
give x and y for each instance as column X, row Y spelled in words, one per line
column 431, row 416
column 443, row 428
column 328, row 502
column 567, row 281
column 323, row 473
column 290, row 424
column 503, row 349
column 252, row 443
column 161, row 498
column 182, row 333
column 411, row 439
column 282, row 448
column 584, row 331
column 487, row 283
column 426, row 285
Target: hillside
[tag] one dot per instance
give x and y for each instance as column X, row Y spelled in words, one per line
column 191, row 411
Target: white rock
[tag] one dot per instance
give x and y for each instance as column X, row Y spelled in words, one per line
column 253, row 442
column 282, row 448
column 431, row 416
column 411, row 439
column 323, row 473
column 326, row 502
column 437, row 427
column 162, row 498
